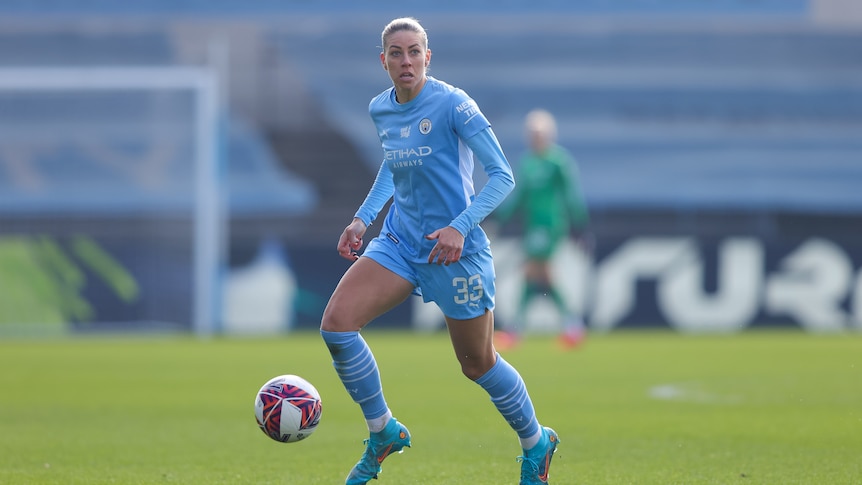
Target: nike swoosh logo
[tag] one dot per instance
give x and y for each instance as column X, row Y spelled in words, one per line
column 385, row 453
column 544, row 476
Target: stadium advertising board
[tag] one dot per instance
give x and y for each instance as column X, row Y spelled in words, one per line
column 687, row 283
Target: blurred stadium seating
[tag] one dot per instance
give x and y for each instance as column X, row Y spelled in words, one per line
column 731, row 104
column 276, row 7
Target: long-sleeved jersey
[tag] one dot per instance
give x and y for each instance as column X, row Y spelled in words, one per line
column 428, row 149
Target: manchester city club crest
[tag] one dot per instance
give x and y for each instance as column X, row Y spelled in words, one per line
column 425, row 126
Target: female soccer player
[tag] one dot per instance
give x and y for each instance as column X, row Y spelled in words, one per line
column 430, row 244
column 549, row 197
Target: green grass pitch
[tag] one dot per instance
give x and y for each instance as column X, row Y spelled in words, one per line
column 650, row 407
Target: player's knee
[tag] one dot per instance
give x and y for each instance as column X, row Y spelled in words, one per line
column 471, row 372
column 475, row 368
column 336, row 320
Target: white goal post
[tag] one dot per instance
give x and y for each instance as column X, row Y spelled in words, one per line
column 208, row 181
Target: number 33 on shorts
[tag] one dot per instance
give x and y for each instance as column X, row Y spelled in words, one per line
column 468, row 289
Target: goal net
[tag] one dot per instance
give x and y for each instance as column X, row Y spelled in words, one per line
column 111, row 199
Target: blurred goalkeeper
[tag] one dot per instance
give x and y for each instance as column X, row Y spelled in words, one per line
column 549, row 199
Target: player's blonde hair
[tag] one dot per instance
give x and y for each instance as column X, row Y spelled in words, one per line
column 542, row 122
column 403, row 23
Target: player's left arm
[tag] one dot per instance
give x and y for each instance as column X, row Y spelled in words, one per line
column 475, row 131
column 450, row 239
column 501, row 181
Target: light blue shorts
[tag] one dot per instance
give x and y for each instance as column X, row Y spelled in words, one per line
column 462, row 290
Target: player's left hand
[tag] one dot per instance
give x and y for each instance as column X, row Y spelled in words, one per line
column 449, row 245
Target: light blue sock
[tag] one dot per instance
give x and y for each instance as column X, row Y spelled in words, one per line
column 509, row 393
column 357, row 369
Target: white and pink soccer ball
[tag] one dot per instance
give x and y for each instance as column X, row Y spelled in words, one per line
column 287, row 408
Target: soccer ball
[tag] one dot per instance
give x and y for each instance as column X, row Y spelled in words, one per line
column 287, row 408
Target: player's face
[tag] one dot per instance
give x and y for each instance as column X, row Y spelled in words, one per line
column 405, row 59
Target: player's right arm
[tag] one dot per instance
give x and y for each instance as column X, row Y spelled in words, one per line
column 351, row 239
column 381, row 191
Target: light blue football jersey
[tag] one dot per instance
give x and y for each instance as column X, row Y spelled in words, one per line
column 430, row 164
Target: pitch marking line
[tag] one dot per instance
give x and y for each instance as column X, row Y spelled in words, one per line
column 691, row 392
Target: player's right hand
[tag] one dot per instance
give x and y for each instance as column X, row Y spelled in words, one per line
column 351, row 239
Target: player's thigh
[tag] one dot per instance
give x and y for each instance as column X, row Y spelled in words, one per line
column 366, row 291
column 464, row 292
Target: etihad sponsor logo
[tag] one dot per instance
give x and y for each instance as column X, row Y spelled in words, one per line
column 407, row 157
column 405, row 153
